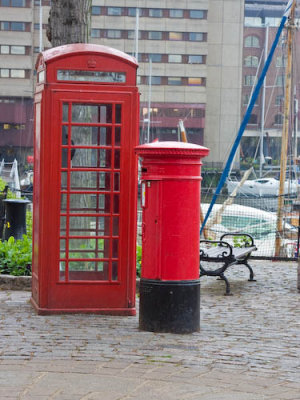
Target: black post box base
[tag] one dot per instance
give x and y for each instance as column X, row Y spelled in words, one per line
column 169, row 306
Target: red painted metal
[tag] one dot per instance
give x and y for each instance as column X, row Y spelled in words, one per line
column 171, row 178
column 85, row 181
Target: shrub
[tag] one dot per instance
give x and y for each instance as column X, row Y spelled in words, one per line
column 138, row 260
column 15, row 256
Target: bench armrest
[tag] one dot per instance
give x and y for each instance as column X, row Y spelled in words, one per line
column 222, row 249
column 250, row 242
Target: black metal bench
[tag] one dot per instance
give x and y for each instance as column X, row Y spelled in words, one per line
column 220, row 251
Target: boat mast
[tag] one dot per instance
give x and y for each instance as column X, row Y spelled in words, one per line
column 261, row 156
column 285, row 130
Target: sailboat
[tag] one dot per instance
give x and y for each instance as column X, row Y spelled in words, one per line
column 263, row 187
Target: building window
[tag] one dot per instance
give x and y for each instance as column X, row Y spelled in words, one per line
column 253, row 119
column 175, row 58
column 4, row 73
column 155, row 57
column 280, row 80
column 131, row 34
column 175, row 13
column 114, row 34
column 281, row 62
column 4, row 49
column 154, row 35
column 246, row 100
column 17, row 73
column 12, row 73
column 251, row 61
column 175, row 35
column 17, row 26
column 195, row 59
column 131, row 11
column 17, row 50
column 5, row 26
column 114, row 11
column 13, row 3
column 95, row 33
column 278, row 119
column 195, row 81
column 249, row 80
column 174, row 80
column 155, row 12
column 279, row 100
column 252, row 41
column 96, row 10
column 196, row 36
column 13, row 26
column 155, row 80
column 197, row 14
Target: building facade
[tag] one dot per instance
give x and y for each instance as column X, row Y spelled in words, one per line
column 190, row 66
column 261, row 21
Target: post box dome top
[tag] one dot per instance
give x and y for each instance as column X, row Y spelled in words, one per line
column 69, row 50
column 172, row 149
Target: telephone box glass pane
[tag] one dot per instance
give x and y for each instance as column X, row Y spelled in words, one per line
column 114, row 270
column 105, row 113
column 65, row 117
column 115, row 248
column 90, row 180
column 89, row 226
column 62, row 270
column 89, row 203
column 117, row 159
column 117, row 136
column 118, row 113
column 84, row 113
column 85, row 136
column 88, row 270
column 64, row 182
column 63, row 202
column 116, row 203
column 63, row 226
column 117, row 181
column 62, row 248
column 115, row 226
column 105, row 136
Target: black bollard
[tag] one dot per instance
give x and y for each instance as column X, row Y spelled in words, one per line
column 15, row 218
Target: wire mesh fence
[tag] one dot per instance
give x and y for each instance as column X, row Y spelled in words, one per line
column 258, row 217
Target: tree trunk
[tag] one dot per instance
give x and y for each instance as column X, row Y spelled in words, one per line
column 69, row 22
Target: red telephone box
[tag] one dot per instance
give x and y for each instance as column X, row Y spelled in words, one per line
column 85, row 180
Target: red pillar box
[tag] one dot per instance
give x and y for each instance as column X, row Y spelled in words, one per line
column 170, row 285
column 85, row 181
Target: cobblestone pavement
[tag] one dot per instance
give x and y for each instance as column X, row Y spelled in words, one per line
column 248, row 347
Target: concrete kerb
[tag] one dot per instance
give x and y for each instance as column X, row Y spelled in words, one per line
column 9, row 282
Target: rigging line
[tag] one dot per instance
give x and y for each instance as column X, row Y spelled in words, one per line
column 271, row 96
column 248, row 114
column 251, row 93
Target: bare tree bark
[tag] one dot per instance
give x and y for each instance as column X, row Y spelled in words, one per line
column 69, row 22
